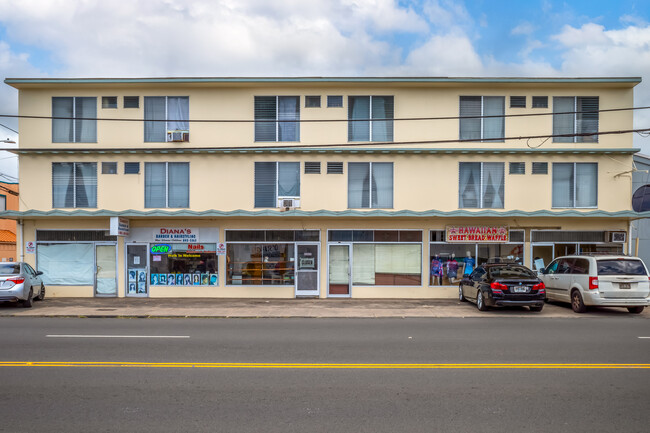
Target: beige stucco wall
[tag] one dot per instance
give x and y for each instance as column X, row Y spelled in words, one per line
column 421, row 182
column 235, row 102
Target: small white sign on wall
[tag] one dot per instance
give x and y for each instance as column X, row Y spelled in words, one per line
column 30, row 247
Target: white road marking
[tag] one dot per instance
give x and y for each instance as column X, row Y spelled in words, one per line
column 115, row 336
column 643, row 337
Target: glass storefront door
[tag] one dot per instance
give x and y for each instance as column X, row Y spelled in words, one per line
column 137, row 270
column 339, row 270
column 105, row 269
column 307, row 278
column 542, row 255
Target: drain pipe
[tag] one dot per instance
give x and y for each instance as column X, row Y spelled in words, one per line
column 21, row 255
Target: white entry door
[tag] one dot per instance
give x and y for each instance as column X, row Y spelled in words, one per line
column 105, row 270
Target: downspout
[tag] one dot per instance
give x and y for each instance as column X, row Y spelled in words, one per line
column 21, row 255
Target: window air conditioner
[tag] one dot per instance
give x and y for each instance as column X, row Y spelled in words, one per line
column 178, row 135
column 288, row 202
column 617, row 237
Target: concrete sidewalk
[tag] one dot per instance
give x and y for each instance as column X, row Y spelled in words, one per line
column 282, row 308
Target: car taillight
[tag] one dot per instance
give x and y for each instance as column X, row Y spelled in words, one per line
column 498, row 288
column 541, row 288
column 16, row 280
column 593, row 283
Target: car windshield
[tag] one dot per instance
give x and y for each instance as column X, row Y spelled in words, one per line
column 621, row 267
column 511, row 272
column 9, row 268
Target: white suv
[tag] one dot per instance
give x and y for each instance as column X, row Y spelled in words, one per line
column 606, row 281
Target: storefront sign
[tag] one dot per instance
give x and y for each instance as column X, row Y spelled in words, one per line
column 221, row 249
column 477, row 234
column 176, row 234
column 161, row 249
column 30, row 247
column 119, row 226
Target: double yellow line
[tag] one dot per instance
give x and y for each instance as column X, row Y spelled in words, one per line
column 273, row 365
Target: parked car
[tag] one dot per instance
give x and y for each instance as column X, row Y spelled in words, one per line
column 606, row 281
column 503, row 284
column 19, row 282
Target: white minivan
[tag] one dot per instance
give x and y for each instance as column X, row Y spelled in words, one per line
column 606, row 281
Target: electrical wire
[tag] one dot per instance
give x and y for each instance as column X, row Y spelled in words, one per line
column 113, row 119
column 298, row 146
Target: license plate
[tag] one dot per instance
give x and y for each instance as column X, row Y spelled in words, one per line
column 520, row 289
column 624, row 285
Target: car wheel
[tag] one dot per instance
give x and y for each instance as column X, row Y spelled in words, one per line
column 480, row 302
column 461, row 298
column 41, row 294
column 536, row 308
column 576, row 302
column 635, row 310
column 27, row 303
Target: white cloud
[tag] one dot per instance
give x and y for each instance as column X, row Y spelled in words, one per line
column 523, row 28
column 591, row 50
column 445, row 55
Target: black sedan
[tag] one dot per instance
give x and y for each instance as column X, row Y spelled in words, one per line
column 498, row 285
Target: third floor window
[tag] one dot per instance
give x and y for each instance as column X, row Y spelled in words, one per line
column 277, row 118
column 473, row 126
column 580, row 116
column 166, row 118
column 75, row 120
column 370, row 118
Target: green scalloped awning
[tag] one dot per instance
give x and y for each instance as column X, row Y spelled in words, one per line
column 130, row 213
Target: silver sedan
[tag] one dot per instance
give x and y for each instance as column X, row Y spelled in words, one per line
column 19, row 282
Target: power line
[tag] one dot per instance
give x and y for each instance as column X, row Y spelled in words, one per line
column 280, row 146
column 112, row 119
column 5, row 126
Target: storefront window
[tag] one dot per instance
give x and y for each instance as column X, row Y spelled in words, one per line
column 382, row 257
column 449, row 262
column 387, row 264
column 495, row 253
column 66, row 264
column 260, row 264
column 183, row 265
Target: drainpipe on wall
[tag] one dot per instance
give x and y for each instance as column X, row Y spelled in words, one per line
column 20, row 244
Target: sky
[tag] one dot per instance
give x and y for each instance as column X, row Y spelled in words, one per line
column 215, row 38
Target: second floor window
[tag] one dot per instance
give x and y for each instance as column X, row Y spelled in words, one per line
column 370, row 185
column 475, row 127
column 482, row 185
column 166, row 118
column 75, row 119
column 370, row 118
column 580, row 116
column 575, row 185
column 166, row 184
column 277, row 118
column 274, row 180
column 74, row 184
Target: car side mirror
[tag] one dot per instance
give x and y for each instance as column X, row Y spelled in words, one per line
column 39, row 273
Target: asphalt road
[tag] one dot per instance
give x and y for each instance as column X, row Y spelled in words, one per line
column 325, row 375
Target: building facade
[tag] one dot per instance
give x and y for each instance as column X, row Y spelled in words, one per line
column 322, row 187
column 8, row 201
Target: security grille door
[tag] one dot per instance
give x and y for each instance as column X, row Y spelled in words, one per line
column 137, row 271
column 307, row 270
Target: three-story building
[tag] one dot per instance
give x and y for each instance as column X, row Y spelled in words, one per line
column 325, row 187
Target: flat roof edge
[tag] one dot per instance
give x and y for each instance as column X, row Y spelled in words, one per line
column 144, row 80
